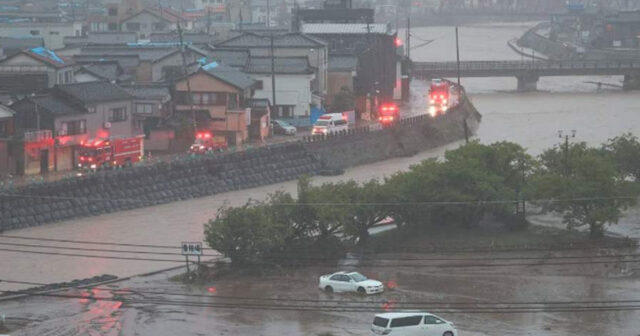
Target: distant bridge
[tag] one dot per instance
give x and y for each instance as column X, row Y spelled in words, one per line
column 528, row 72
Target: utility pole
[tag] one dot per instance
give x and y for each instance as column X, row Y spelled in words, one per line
column 408, row 38
column 208, row 20
column 458, row 62
column 186, row 77
column 562, row 134
column 524, row 209
column 271, row 53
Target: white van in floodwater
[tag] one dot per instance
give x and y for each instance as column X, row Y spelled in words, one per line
column 330, row 123
column 412, row 324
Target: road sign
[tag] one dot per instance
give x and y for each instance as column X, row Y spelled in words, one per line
column 192, row 248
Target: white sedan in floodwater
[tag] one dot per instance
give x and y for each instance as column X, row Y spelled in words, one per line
column 350, row 282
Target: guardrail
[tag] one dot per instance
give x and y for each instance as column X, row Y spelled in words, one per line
column 526, row 65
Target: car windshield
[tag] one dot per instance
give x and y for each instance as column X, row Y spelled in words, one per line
column 87, row 152
column 357, row 277
column 380, row 322
column 283, row 123
column 322, row 123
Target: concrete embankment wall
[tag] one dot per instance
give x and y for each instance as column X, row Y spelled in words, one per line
column 410, row 136
column 147, row 185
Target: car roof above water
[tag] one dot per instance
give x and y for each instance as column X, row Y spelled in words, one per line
column 402, row 314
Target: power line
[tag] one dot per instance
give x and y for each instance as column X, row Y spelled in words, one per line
column 470, row 310
column 118, row 291
column 88, row 242
column 471, row 202
column 91, row 249
column 90, row 256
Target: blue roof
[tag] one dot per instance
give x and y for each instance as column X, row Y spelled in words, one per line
column 210, row 66
column 44, row 52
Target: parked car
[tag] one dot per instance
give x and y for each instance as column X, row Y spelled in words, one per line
column 330, row 123
column 283, row 127
column 350, row 282
column 412, row 324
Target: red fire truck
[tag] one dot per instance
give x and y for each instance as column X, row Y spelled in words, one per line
column 439, row 93
column 388, row 114
column 207, row 142
column 111, row 152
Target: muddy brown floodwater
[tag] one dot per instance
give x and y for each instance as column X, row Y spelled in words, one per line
column 85, row 316
column 530, row 119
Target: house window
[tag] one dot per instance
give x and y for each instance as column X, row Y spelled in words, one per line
column 159, row 26
column 233, row 101
column 54, row 33
column 60, row 78
column 73, row 127
column 284, row 111
column 68, row 77
column 138, row 124
column 3, row 129
column 144, row 108
column 133, row 26
column 112, row 27
column 118, row 114
column 35, row 32
column 259, row 85
column 113, row 12
column 91, row 109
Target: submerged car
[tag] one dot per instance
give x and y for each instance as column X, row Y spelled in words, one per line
column 412, row 323
column 350, row 282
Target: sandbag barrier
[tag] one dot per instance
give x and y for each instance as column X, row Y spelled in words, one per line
column 146, row 185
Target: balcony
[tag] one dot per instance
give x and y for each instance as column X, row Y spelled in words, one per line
column 37, row 135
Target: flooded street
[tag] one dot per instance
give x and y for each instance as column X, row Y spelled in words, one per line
column 530, row 119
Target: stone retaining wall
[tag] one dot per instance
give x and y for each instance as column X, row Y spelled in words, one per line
column 147, row 185
column 110, row 191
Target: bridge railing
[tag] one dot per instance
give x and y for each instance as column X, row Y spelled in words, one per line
column 526, row 65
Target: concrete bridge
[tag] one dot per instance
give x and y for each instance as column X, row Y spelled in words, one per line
column 528, row 72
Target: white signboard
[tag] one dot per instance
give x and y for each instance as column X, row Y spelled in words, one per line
column 192, row 248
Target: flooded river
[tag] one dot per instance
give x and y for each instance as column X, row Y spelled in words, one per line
column 531, row 119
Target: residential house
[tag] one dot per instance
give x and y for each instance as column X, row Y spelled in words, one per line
column 99, row 38
column 155, row 62
column 74, row 113
column 52, row 33
column 235, row 58
column 340, row 11
column 342, row 72
column 154, row 20
column 7, row 130
column 151, row 106
column 375, row 47
column 34, row 69
column 288, row 45
column 201, row 40
column 293, row 77
column 217, row 100
column 259, row 128
column 10, row 46
column 100, row 71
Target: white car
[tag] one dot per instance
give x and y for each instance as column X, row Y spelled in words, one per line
column 412, row 324
column 350, row 282
column 283, row 127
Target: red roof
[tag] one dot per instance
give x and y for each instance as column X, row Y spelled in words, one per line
column 49, row 57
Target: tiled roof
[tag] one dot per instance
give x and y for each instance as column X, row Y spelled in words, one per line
column 290, row 40
column 229, row 75
column 94, row 92
column 6, row 112
column 12, row 45
column 105, row 70
column 234, row 58
column 126, row 61
column 344, row 28
column 282, row 65
column 148, row 91
column 195, row 38
column 49, row 56
column 164, row 13
column 343, row 63
column 57, row 105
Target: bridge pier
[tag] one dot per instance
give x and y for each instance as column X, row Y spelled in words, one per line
column 528, row 83
column 631, row 82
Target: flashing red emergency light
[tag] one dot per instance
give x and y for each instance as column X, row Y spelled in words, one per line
column 398, row 42
column 389, row 107
column 203, row 135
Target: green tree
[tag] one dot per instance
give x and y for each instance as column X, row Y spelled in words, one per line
column 246, row 234
column 343, row 100
column 583, row 186
column 330, row 203
column 368, row 207
column 624, row 150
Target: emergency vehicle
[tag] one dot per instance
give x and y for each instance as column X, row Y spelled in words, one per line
column 330, row 123
column 439, row 93
column 111, row 152
column 388, row 114
column 207, row 142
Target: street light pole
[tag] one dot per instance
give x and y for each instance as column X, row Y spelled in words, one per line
column 562, row 134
